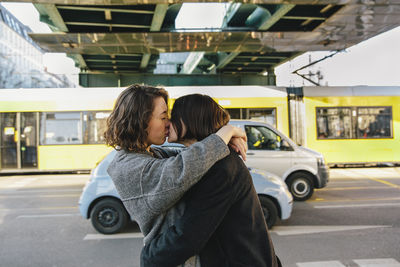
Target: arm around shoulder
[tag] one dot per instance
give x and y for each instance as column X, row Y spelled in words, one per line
column 166, row 180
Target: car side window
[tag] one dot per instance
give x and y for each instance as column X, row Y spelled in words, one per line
column 262, row 138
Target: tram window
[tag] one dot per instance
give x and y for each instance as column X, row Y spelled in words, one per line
column 267, row 115
column 60, row 128
column 95, row 123
column 374, row 122
column 333, row 123
column 235, row 113
column 262, row 138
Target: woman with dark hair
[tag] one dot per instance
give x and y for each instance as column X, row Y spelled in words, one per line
column 151, row 180
column 194, row 117
column 221, row 218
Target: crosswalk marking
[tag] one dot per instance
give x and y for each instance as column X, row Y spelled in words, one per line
column 385, row 262
column 321, row 264
column 379, row 262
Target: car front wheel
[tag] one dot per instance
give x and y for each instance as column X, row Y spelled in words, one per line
column 301, row 186
column 270, row 211
column 109, row 216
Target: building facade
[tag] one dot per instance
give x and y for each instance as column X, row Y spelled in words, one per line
column 21, row 60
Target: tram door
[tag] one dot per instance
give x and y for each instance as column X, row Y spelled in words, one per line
column 9, row 139
column 18, row 140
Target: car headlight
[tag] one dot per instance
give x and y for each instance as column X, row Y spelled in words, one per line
column 321, row 161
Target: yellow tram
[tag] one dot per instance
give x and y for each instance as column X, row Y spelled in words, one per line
column 62, row 129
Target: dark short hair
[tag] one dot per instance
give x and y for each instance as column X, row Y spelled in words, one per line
column 200, row 114
column 128, row 122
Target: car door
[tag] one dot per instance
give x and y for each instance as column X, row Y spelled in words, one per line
column 267, row 150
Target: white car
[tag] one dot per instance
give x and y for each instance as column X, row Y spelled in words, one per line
column 101, row 203
column 301, row 168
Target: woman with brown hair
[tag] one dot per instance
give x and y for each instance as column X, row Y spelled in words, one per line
column 151, row 180
column 219, row 218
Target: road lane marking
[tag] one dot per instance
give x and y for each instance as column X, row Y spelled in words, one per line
column 354, row 200
column 114, row 236
column 348, row 182
column 384, row 262
column 39, row 196
column 57, row 208
column 391, row 173
column 353, row 188
column 33, row 209
column 47, row 215
column 359, row 179
column 279, row 230
column 368, row 205
column 313, row 229
column 21, row 183
column 346, row 178
column 385, row 182
column 33, row 191
column 320, row 264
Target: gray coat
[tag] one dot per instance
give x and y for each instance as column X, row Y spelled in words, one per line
column 149, row 186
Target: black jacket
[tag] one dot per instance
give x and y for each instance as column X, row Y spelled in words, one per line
column 223, row 223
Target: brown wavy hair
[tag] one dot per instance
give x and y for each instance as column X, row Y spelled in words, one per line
column 127, row 123
column 200, row 114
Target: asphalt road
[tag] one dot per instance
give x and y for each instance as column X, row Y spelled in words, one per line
column 354, row 221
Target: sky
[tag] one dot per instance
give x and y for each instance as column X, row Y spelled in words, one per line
column 374, row 62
